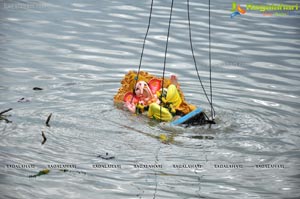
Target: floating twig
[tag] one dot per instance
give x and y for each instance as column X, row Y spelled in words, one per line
column 106, row 157
column 44, row 138
column 48, row 120
column 23, row 100
column 5, row 119
column 66, row 170
column 37, row 88
column 5, row 111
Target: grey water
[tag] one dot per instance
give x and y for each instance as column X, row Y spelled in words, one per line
column 78, row 52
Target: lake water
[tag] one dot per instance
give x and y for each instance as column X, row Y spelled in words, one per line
column 78, row 51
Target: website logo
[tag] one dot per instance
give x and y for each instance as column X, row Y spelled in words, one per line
column 266, row 9
column 237, row 10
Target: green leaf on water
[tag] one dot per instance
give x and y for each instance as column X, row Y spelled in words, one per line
column 42, row 172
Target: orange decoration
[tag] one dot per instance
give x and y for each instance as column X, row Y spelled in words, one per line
column 241, row 10
column 155, row 85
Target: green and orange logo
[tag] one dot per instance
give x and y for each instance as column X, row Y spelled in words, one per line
column 237, row 10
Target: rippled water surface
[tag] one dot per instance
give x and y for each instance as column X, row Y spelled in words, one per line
column 78, row 51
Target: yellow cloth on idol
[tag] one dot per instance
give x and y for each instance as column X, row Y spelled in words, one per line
column 155, row 112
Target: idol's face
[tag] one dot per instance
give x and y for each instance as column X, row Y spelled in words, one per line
column 142, row 90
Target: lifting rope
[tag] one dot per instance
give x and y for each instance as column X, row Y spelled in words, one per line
column 192, row 50
column 166, row 51
column 143, row 48
column 212, row 110
column 195, row 63
column 149, row 23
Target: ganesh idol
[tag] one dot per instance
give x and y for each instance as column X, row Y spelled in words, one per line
column 147, row 96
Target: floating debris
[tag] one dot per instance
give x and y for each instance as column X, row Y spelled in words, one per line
column 163, row 138
column 202, row 137
column 44, row 138
column 37, row 89
column 23, row 100
column 3, row 117
column 5, row 111
column 66, row 170
column 166, row 139
column 48, row 120
column 42, row 172
column 106, row 157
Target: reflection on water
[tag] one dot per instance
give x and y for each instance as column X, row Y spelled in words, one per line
column 78, row 52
